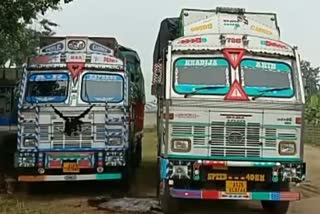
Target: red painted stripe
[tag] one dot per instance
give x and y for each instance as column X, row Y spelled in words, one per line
column 55, row 164
column 210, row 194
column 216, row 164
column 84, row 164
column 288, row 196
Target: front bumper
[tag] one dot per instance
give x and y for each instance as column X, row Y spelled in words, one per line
column 70, row 177
column 197, row 170
column 208, row 179
column 220, row 195
column 36, row 166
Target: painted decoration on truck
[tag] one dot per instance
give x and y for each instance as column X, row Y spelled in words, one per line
column 197, row 22
column 108, row 60
column 267, row 78
column 201, row 76
column 49, row 87
column 56, row 47
column 95, row 47
column 200, row 27
column 102, row 88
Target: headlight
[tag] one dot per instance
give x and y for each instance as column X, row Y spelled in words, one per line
column 29, row 142
column 287, row 148
column 181, row 145
column 114, row 142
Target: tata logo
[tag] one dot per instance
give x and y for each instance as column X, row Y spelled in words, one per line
column 53, row 48
column 235, row 137
column 100, row 48
column 196, row 40
column 76, row 45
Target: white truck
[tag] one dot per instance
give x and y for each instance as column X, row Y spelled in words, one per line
column 230, row 107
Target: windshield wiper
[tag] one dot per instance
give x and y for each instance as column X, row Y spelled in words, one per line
column 202, row 88
column 269, row 90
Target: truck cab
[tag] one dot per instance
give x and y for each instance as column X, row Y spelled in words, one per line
column 74, row 113
column 230, row 108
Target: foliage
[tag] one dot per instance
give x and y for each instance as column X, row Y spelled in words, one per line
column 17, row 39
column 311, row 76
column 16, row 13
column 24, row 43
column 312, row 110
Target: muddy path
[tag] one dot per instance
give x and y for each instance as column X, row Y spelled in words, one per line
column 73, row 197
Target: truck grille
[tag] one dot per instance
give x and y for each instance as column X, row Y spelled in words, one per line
column 198, row 133
column 235, row 139
column 61, row 140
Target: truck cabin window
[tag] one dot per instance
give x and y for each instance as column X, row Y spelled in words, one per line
column 259, row 76
column 102, row 88
column 194, row 73
column 49, row 87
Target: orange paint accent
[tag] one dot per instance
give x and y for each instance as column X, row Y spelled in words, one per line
column 30, row 178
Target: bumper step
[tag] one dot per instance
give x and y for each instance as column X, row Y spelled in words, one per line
column 71, row 177
column 219, row 195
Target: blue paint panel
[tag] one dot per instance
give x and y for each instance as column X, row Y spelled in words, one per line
column 274, row 66
column 34, row 99
column 184, row 88
column 258, row 90
column 48, row 77
column 275, row 196
column 163, row 168
column 103, row 77
column 202, row 62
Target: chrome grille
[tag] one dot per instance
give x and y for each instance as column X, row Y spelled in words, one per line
column 100, row 132
column 82, row 140
column 198, row 133
column 44, row 132
column 235, row 139
column 29, row 128
column 181, row 129
column 270, row 137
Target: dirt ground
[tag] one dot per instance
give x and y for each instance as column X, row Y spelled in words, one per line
column 72, row 198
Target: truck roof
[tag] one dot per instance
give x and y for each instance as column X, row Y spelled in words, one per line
column 219, row 21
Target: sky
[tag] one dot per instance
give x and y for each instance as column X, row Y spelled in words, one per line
column 136, row 23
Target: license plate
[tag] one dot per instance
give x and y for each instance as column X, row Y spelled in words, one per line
column 70, row 167
column 236, row 187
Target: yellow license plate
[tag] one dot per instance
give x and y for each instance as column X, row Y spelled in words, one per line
column 70, row 167
column 236, row 187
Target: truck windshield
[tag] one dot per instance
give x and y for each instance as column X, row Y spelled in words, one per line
column 193, row 73
column 102, row 88
column 49, row 87
column 261, row 76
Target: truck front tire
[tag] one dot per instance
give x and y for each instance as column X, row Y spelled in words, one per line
column 277, row 207
column 169, row 205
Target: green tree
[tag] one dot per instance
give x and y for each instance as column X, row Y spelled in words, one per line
column 16, row 13
column 312, row 110
column 24, row 43
column 17, row 39
column 311, row 76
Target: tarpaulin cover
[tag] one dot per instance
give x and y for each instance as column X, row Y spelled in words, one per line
column 169, row 30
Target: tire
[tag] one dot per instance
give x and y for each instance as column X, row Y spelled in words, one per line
column 169, row 205
column 138, row 154
column 277, row 207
